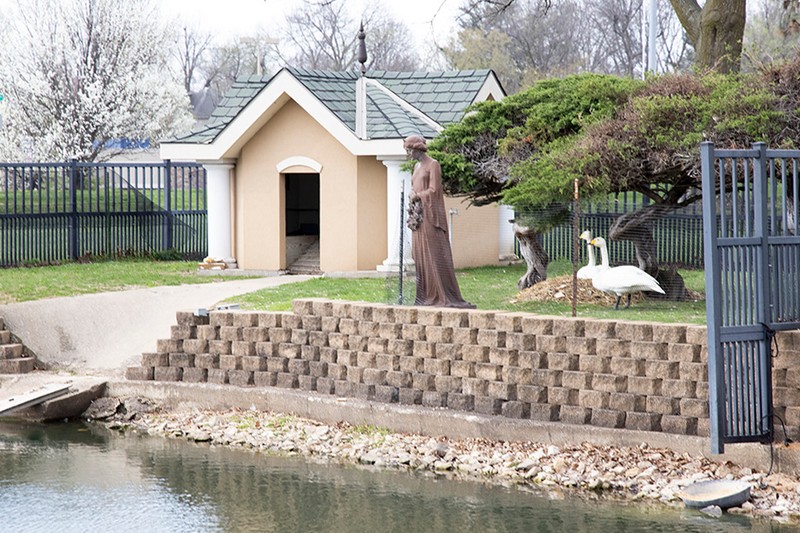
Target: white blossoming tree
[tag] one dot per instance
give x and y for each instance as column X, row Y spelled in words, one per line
column 80, row 74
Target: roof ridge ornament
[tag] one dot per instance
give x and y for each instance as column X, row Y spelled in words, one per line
column 361, row 86
column 362, row 48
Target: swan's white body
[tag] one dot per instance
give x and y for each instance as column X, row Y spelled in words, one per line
column 588, row 271
column 625, row 279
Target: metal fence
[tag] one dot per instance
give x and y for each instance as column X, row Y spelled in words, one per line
column 53, row 212
column 678, row 235
column 752, row 290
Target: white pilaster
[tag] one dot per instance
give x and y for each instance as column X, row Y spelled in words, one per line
column 218, row 198
column 398, row 183
column 506, row 237
column 361, row 107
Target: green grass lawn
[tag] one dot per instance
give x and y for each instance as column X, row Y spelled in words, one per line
column 492, row 288
column 487, row 287
column 24, row 284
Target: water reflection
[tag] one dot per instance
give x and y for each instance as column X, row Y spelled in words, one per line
column 82, row 478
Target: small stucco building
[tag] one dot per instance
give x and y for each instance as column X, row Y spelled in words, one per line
column 317, row 156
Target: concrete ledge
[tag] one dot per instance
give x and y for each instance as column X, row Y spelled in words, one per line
column 355, row 274
column 443, row 422
column 238, row 272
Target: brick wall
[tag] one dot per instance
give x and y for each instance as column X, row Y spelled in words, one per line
column 618, row 374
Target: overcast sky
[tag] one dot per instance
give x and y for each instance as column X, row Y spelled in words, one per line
column 242, row 17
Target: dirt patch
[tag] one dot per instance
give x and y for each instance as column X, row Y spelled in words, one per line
column 6, row 299
column 559, row 289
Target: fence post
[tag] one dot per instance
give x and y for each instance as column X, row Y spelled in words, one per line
column 402, row 261
column 166, row 236
column 716, row 377
column 73, row 219
column 763, row 297
column 576, row 250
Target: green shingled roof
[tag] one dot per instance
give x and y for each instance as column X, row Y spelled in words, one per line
column 442, row 96
column 386, row 119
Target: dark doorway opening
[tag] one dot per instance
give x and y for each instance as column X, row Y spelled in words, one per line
column 302, row 223
column 302, row 204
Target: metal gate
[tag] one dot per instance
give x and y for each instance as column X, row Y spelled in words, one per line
column 752, row 270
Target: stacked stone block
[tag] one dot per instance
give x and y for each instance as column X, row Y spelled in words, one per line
column 786, row 382
column 616, row 374
column 13, row 359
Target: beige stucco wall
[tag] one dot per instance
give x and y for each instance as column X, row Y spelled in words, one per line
column 372, row 230
column 352, row 196
column 352, row 202
column 475, row 233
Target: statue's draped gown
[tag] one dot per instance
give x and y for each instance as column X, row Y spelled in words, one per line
column 430, row 245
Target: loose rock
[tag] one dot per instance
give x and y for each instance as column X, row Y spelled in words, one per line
column 102, row 408
column 617, row 472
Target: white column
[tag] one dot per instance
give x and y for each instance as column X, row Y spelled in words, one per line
column 218, row 198
column 397, row 181
column 506, row 238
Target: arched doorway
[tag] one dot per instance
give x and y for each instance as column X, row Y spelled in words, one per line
column 301, row 216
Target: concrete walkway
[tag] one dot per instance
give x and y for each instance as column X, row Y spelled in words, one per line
column 109, row 331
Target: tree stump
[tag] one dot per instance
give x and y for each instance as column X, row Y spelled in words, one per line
column 535, row 257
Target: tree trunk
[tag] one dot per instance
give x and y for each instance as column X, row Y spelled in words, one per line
column 533, row 253
column 637, row 227
column 715, row 30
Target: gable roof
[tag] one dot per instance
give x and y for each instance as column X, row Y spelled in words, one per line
column 398, row 104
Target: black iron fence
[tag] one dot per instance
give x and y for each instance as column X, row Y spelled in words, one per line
column 678, row 234
column 53, row 212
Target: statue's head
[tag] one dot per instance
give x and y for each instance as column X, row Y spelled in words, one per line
column 415, row 143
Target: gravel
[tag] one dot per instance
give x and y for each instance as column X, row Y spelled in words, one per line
column 625, row 473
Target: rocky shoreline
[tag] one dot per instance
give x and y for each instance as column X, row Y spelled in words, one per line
column 623, row 473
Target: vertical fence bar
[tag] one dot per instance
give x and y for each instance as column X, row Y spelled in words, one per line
column 73, row 219
column 795, row 198
column 167, row 238
column 576, row 251
column 763, row 280
column 402, row 261
column 734, row 198
column 784, row 219
column 716, row 390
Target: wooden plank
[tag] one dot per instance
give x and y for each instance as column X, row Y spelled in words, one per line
column 29, row 399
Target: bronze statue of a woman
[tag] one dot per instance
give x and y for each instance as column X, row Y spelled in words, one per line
column 430, row 245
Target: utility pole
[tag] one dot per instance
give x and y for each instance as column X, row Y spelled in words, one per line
column 649, row 33
column 652, row 58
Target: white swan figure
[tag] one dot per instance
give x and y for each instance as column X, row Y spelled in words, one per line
column 588, row 271
column 625, row 279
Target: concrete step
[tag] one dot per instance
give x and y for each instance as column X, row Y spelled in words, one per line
column 19, row 365
column 307, row 262
column 10, row 351
column 5, row 337
column 311, row 252
column 311, row 269
column 305, row 271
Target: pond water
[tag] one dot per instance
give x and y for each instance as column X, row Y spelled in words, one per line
column 75, row 477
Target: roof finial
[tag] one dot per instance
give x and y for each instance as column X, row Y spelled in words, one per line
column 362, row 49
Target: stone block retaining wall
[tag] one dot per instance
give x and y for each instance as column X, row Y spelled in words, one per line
column 14, row 358
column 618, row 374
